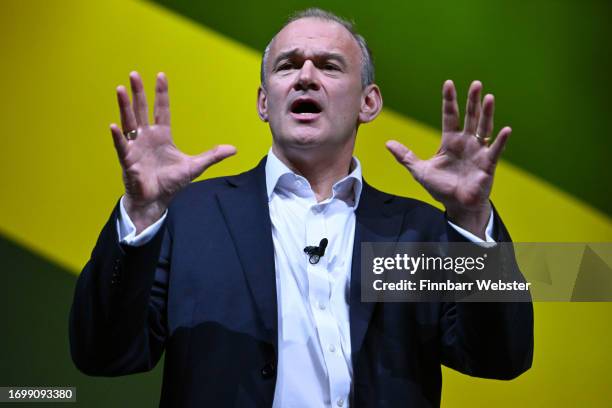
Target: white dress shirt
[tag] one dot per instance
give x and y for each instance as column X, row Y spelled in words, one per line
column 314, row 345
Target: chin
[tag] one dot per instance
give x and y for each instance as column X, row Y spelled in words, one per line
column 305, row 137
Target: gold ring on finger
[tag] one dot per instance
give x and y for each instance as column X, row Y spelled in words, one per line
column 483, row 140
column 131, row 135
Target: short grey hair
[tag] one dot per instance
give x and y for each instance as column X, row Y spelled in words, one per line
column 367, row 62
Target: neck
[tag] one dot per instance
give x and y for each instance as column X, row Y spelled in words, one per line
column 321, row 168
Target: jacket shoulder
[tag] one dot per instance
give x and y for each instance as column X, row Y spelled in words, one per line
column 202, row 192
column 407, row 205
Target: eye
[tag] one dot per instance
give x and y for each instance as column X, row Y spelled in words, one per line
column 331, row 67
column 284, row 66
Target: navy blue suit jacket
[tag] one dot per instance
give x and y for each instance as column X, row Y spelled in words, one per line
column 216, row 314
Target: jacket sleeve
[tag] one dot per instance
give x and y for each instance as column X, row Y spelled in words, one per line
column 118, row 315
column 490, row 340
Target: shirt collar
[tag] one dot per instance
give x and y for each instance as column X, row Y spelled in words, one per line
column 348, row 188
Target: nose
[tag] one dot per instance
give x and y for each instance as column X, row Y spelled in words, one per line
column 307, row 77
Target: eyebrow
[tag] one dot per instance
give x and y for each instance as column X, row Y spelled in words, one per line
column 296, row 52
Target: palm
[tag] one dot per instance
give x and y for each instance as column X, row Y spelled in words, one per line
column 154, row 169
column 461, row 171
column 153, row 166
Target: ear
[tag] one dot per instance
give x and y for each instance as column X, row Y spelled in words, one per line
column 262, row 104
column 371, row 104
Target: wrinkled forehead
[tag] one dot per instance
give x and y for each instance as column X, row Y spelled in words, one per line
column 314, row 36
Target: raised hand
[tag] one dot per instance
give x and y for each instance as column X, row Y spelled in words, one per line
column 154, row 169
column 460, row 174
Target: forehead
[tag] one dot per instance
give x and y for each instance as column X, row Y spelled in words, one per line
column 315, row 35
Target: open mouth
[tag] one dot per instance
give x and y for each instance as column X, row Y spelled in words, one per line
column 305, row 109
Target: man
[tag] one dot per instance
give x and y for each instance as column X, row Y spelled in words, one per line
column 215, row 273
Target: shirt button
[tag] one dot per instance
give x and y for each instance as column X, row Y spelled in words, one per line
column 268, row 370
column 332, row 348
column 340, row 402
column 321, row 305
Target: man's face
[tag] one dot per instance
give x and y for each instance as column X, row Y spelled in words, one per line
column 313, row 90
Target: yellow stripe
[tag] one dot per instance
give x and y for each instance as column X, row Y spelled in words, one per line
column 61, row 177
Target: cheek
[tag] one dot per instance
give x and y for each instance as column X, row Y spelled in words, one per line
column 347, row 103
column 276, row 98
column 272, row 104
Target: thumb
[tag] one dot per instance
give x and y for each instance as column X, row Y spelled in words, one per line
column 402, row 154
column 202, row 161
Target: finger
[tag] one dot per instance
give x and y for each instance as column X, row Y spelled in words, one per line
column 161, row 110
column 403, row 155
column 450, row 109
column 499, row 144
column 204, row 160
column 472, row 109
column 128, row 120
column 139, row 100
column 485, row 125
column 121, row 143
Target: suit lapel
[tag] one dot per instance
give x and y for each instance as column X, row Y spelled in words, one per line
column 246, row 212
column 377, row 220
